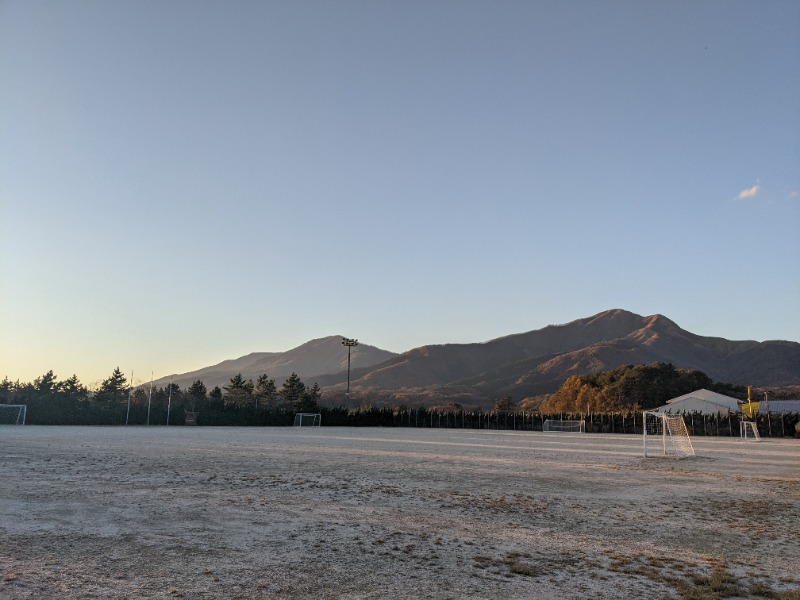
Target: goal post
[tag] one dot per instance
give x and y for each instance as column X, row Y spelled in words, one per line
column 665, row 434
column 307, row 420
column 13, row 414
column 748, row 430
column 564, row 426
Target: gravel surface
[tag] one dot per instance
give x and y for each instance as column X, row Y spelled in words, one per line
column 363, row 513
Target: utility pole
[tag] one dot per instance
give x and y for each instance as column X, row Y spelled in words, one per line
column 150, row 398
column 349, row 343
column 130, row 393
column 169, row 402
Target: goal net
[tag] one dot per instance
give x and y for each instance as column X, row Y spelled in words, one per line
column 307, row 420
column 13, row 414
column 666, row 435
column 561, row 425
column 749, row 431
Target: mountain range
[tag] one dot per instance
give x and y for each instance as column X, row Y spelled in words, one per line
column 310, row 361
column 519, row 365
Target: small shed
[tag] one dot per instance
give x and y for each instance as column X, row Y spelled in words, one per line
column 701, row 401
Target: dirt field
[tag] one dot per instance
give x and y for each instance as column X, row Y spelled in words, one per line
column 391, row 513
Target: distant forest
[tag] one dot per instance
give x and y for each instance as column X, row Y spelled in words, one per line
column 49, row 401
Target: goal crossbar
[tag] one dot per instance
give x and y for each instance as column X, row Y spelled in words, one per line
column 748, row 430
column 670, row 430
column 564, row 425
column 13, row 414
column 307, row 420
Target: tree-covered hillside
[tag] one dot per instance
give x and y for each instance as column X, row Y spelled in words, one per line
column 632, row 387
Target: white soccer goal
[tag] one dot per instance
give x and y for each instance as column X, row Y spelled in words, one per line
column 13, row 414
column 567, row 426
column 748, row 430
column 307, row 420
column 666, row 434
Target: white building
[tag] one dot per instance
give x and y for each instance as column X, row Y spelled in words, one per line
column 702, row 401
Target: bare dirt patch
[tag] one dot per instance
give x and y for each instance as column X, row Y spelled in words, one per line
column 347, row 513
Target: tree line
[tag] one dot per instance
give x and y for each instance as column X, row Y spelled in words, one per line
column 609, row 401
column 241, row 402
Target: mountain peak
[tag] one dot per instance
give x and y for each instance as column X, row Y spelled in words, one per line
column 310, row 360
column 518, row 365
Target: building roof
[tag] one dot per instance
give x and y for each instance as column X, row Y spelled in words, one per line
column 702, row 401
column 780, row 406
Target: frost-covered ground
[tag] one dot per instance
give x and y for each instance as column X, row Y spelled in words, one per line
column 115, row 512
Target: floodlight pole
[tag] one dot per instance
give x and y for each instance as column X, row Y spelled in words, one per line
column 130, row 393
column 169, row 402
column 150, row 398
column 349, row 343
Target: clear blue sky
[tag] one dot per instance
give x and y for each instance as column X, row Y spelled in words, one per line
column 186, row 182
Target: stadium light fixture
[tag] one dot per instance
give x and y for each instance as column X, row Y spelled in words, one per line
column 349, row 343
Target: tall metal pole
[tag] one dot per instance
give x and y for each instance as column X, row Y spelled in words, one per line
column 150, row 398
column 349, row 343
column 169, row 402
column 130, row 393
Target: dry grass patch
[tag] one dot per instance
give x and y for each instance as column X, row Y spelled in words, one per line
column 761, row 590
column 514, row 563
column 710, row 579
column 720, row 583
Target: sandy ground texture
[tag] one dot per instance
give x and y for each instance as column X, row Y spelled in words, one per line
column 345, row 513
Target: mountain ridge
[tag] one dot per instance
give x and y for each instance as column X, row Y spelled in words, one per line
column 314, row 358
column 521, row 364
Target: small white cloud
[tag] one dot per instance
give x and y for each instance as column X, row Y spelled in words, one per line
column 794, row 194
column 749, row 192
